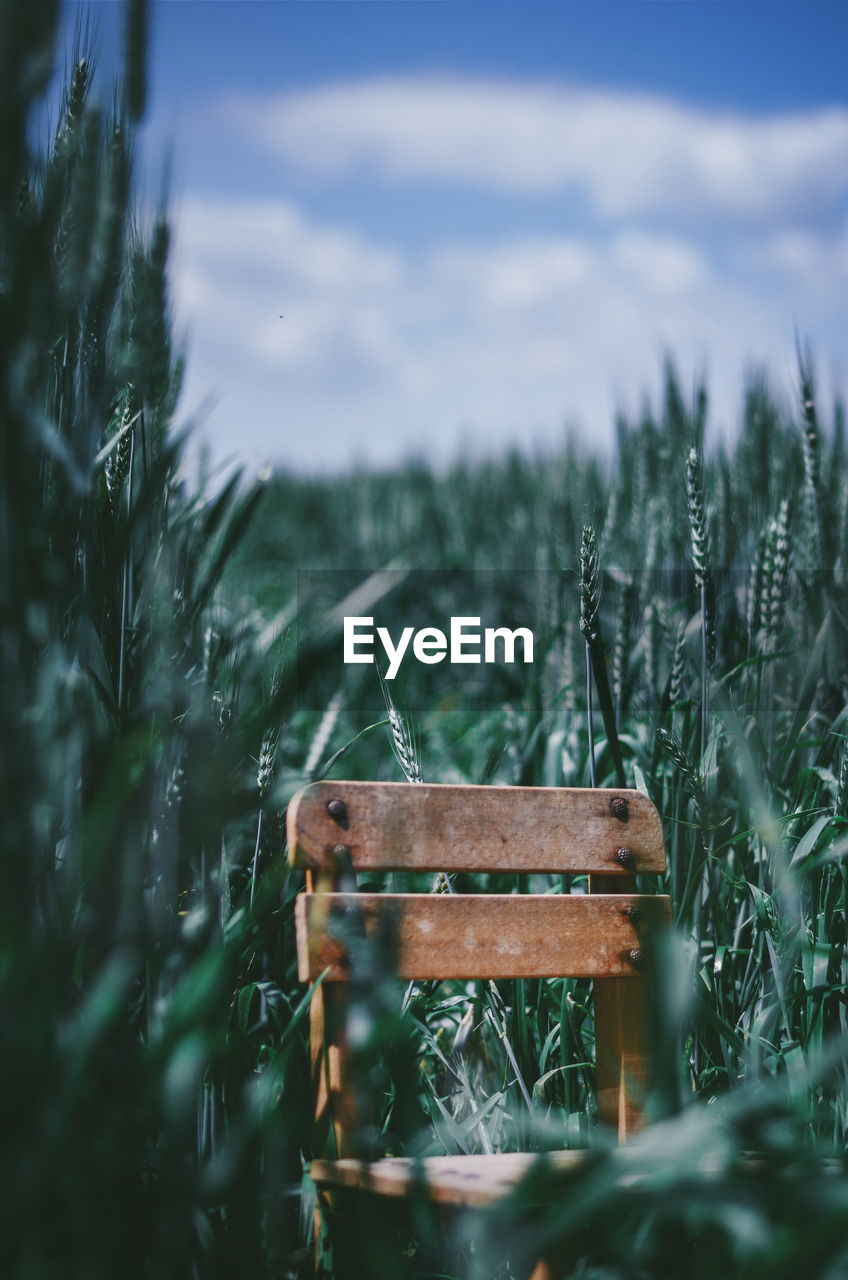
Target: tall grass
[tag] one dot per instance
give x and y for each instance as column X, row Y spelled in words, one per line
column 144, row 976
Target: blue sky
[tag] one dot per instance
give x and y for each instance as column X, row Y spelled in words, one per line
column 485, row 223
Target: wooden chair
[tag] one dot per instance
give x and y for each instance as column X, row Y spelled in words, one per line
column 335, row 828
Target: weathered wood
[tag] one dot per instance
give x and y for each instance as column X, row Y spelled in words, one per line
column 334, row 1103
column 337, row 828
column 480, row 936
column 478, row 1180
column 622, row 1021
column 544, row 1270
column 472, row 1181
column 328, row 1050
column 403, row 826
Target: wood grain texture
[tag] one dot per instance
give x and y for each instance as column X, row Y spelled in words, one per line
column 335, row 1114
column 404, row 826
column 622, row 1025
column 622, row 1020
column 439, row 936
column 479, row 1180
column 472, row 1181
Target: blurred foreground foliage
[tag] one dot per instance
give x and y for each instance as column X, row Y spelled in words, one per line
column 154, row 1083
column 135, row 942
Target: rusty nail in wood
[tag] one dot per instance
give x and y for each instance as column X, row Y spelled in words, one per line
column 637, row 958
column 337, row 809
column 625, row 857
column 633, row 913
column 619, row 807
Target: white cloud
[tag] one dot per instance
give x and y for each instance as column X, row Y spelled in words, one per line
column 243, row 263
column 628, row 153
column 805, row 257
column 521, row 273
column 383, row 353
column 661, row 264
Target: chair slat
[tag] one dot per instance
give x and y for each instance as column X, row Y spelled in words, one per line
column 441, row 936
column 405, row 826
column 473, row 1181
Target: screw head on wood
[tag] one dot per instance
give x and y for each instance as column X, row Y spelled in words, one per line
column 619, row 808
column 637, row 958
column 341, row 854
column 337, row 810
column 633, row 913
column 625, row 857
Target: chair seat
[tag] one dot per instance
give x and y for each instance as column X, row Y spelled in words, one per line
column 470, row 1181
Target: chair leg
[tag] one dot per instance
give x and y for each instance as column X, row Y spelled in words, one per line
column 319, row 1217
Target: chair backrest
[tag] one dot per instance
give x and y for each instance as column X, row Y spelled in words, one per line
column 335, row 828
